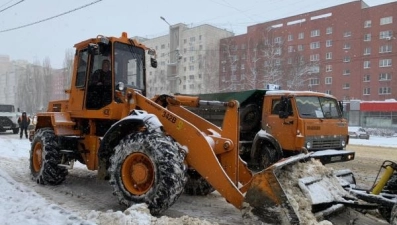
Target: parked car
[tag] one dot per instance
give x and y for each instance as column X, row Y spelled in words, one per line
column 358, row 132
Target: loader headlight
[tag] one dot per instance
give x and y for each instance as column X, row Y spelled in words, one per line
column 120, row 86
column 308, row 145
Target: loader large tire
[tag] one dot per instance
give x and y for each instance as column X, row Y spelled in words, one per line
column 147, row 168
column 45, row 157
column 196, row 184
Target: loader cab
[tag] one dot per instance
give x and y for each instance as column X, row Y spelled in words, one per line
column 125, row 68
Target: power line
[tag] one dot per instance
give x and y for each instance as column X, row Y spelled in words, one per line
column 11, row 5
column 6, row 3
column 49, row 18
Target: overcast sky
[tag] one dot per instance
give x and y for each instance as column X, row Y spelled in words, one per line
column 139, row 18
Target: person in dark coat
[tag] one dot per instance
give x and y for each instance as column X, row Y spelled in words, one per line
column 23, row 122
column 102, row 76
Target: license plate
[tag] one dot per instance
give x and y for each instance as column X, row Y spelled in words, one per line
column 7, row 127
column 336, row 158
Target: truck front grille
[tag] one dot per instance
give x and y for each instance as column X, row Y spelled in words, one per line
column 327, row 142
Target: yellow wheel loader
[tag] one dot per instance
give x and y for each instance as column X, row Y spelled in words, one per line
column 154, row 149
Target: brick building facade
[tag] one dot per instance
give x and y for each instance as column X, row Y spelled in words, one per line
column 348, row 51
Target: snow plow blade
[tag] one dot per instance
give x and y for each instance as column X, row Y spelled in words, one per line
column 297, row 190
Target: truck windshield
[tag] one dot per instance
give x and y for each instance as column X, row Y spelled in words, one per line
column 128, row 65
column 318, row 107
column 7, row 108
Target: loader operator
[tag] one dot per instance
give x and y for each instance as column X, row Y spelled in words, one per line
column 100, row 87
column 102, row 76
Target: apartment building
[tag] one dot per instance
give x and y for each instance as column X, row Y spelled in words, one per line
column 348, row 50
column 188, row 60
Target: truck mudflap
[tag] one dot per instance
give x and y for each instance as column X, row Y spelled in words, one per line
column 296, row 190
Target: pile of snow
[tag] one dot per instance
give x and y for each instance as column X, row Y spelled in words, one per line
column 302, row 204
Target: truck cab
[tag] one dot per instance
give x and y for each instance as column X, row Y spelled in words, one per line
column 304, row 119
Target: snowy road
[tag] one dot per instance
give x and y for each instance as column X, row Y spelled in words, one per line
column 89, row 199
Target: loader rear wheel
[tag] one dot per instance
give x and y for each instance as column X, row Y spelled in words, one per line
column 265, row 157
column 44, row 159
column 196, row 184
column 147, row 168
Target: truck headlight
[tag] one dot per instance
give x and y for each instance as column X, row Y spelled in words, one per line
column 308, row 145
column 343, row 143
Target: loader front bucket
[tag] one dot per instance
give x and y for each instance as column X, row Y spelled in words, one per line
column 292, row 192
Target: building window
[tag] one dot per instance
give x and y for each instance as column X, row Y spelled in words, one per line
column 386, row 20
column 277, row 51
column 346, row 72
column 163, row 46
column 384, row 62
column 328, row 80
column 347, row 34
column 346, row 46
column 242, row 66
column 367, row 64
column 191, row 77
column 346, row 86
column 315, row 57
column 367, row 91
column 289, row 60
column 300, row 47
column 384, row 91
column 301, row 35
column 346, row 59
column 242, row 46
column 315, row 33
column 328, row 68
column 367, row 23
column 328, row 55
column 290, row 48
column 328, row 30
column 386, row 34
column 191, row 68
column 290, row 37
column 384, row 76
column 277, row 40
column 367, row 37
column 367, row 78
column 191, row 58
column 191, row 86
column 315, row 45
column 314, row 81
column 385, row 48
column 367, row 51
column 277, row 62
column 328, row 92
column 328, row 43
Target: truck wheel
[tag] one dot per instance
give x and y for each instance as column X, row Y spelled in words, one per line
column 15, row 130
column 44, row 159
column 250, row 117
column 265, row 157
column 147, row 168
column 196, row 184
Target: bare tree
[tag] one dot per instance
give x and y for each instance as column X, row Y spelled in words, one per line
column 46, row 79
column 230, row 54
column 67, row 69
column 300, row 71
column 208, row 64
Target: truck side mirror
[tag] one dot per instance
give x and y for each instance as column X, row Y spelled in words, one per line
column 285, row 110
column 341, row 106
column 153, row 62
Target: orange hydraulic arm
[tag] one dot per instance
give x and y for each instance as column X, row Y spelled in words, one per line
column 213, row 151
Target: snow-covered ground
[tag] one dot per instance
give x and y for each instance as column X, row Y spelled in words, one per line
column 20, row 204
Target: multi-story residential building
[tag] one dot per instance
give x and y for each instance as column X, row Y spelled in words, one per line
column 9, row 72
column 348, row 50
column 188, row 60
